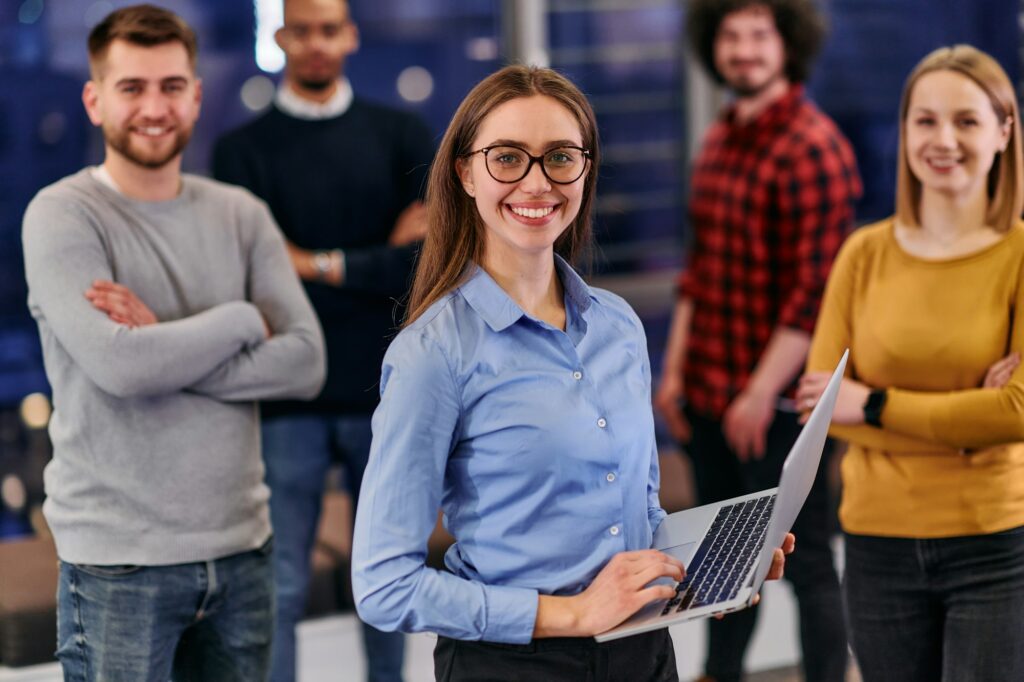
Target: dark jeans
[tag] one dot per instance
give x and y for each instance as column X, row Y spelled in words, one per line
column 810, row 570
column 949, row 609
column 648, row 657
column 298, row 451
column 209, row 621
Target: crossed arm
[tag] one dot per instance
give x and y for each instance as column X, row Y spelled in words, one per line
column 382, row 268
column 223, row 351
column 913, row 421
column 410, row 228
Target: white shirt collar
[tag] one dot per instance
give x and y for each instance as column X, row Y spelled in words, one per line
column 101, row 173
column 293, row 105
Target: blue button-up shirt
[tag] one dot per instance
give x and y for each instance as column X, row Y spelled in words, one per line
column 536, row 443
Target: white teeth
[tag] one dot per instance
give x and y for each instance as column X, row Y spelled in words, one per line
column 152, row 130
column 532, row 212
column 943, row 163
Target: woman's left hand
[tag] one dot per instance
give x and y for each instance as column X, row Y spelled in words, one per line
column 779, row 557
column 849, row 409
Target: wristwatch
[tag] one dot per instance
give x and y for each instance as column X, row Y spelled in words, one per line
column 322, row 261
column 874, row 406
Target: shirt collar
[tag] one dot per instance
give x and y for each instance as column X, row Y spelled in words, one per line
column 779, row 111
column 101, row 173
column 498, row 309
column 293, row 105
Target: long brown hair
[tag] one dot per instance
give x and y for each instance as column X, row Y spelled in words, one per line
column 1006, row 178
column 455, row 231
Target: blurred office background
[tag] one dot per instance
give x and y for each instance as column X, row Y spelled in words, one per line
column 651, row 100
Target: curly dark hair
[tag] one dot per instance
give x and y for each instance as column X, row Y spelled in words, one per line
column 799, row 22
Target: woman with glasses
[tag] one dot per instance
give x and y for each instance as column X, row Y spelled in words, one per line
column 930, row 302
column 517, row 400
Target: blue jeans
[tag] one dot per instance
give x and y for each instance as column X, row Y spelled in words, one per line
column 949, row 609
column 211, row 620
column 298, row 451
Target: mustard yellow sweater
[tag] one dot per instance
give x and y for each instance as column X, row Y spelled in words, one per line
column 949, row 458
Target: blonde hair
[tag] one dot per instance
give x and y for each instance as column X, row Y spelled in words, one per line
column 1006, row 178
column 455, row 231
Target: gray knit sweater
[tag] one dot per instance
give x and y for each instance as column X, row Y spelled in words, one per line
column 155, row 429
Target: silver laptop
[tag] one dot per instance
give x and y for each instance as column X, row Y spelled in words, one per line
column 727, row 546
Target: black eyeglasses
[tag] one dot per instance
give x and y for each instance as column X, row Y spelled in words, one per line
column 561, row 165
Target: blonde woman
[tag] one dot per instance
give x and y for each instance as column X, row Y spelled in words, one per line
column 931, row 304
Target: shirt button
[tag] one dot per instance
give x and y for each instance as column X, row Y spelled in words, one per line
column 610, row 477
column 614, row 530
column 602, row 423
column 577, row 375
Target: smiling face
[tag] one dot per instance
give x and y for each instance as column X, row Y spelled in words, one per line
column 523, row 218
column 749, row 51
column 146, row 100
column 952, row 134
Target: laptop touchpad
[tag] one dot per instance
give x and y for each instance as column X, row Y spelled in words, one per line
column 681, row 552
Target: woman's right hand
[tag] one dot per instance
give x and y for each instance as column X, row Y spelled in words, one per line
column 1000, row 372
column 621, row 589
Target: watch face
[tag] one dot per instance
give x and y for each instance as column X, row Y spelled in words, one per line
column 322, row 262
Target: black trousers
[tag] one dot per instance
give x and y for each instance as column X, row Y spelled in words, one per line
column 720, row 475
column 648, row 657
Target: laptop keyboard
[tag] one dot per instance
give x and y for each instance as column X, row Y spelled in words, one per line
column 724, row 558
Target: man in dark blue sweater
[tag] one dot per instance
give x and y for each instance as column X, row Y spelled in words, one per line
column 343, row 179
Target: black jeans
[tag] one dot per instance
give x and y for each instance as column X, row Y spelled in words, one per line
column 648, row 657
column 949, row 609
column 810, row 570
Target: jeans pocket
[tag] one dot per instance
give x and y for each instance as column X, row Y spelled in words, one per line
column 112, row 571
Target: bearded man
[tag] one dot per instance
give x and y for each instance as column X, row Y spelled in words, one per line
column 167, row 307
column 772, row 193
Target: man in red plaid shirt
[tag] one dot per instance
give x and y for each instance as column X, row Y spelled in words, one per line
column 771, row 201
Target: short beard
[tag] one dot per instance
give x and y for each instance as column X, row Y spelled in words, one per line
column 744, row 91
column 120, row 141
column 315, row 86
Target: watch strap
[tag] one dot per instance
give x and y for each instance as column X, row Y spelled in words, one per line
column 874, row 406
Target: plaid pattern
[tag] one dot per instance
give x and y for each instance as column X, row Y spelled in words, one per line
column 771, row 203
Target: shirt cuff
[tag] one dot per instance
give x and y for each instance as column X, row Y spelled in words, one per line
column 341, row 266
column 655, row 517
column 511, row 614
